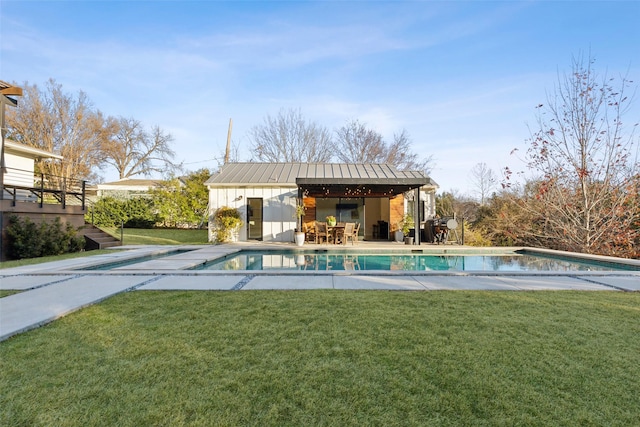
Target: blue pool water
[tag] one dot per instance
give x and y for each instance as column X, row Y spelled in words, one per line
column 289, row 260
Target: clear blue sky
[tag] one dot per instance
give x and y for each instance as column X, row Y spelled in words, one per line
column 461, row 77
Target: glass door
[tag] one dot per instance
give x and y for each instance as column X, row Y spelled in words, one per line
column 254, row 219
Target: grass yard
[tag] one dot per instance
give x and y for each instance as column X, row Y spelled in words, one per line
column 160, row 236
column 40, row 260
column 6, row 293
column 132, row 236
column 331, row 358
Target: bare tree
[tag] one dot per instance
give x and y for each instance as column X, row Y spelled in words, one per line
column 400, row 154
column 131, row 150
column 288, row 137
column 484, row 181
column 584, row 160
column 357, row 144
column 65, row 124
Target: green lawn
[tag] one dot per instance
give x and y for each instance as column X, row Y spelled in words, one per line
column 31, row 261
column 160, row 236
column 6, row 293
column 339, row 358
column 132, row 236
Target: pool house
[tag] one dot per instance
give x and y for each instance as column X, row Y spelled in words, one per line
column 377, row 196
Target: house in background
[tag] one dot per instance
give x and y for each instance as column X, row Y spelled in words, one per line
column 127, row 188
column 20, row 165
column 35, row 196
column 375, row 195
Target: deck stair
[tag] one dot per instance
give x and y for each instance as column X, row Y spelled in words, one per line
column 97, row 239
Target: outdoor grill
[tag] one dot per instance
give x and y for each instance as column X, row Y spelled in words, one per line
column 437, row 230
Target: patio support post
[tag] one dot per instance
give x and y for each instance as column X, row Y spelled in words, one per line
column 416, row 216
column 64, row 193
column 41, row 190
column 300, row 201
column 84, row 185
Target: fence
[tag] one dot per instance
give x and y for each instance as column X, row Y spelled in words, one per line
column 25, row 186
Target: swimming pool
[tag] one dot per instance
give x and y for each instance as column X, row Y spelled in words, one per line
column 336, row 261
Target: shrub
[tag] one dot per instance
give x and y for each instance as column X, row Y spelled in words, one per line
column 23, row 238
column 107, row 212
column 226, row 221
column 134, row 213
column 475, row 238
column 27, row 239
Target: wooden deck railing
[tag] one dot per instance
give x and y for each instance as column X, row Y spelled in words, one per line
column 25, row 186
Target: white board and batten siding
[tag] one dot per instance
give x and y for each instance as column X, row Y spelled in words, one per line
column 278, row 215
column 19, row 171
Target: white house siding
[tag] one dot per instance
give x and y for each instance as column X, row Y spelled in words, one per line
column 278, row 221
column 429, row 198
column 19, row 170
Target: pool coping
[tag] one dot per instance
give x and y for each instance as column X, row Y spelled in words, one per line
column 192, row 256
column 51, row 290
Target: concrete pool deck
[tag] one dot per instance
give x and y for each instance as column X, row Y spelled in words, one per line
column 51, row 290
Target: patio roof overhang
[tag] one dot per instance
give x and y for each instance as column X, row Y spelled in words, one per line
column 358, row 187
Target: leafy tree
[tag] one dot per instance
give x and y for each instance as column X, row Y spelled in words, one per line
column 583, row 159
column 289, row 137
column 132, row 150
column 444, row 204
column 169, row 202
column 65, row 124
column 197, row 196
column 183, row 202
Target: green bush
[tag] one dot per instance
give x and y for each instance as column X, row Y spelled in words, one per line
column 139, row 213
column 27, row 239
column 226, row 221
column 107, row 212
column 134, row 213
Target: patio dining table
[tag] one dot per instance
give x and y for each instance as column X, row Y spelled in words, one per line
column 335, row 231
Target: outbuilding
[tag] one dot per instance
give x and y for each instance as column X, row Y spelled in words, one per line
column 375, row 195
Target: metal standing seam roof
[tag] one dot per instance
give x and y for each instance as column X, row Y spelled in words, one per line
column 287, row 173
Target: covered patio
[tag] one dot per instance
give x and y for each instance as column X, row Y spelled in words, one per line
column 378, row 203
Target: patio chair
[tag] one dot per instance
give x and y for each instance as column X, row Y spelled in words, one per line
column 356, row 231
column 321, row 232
column 309, row 231
column 349, row 229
